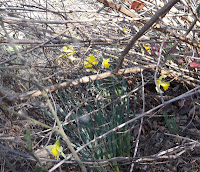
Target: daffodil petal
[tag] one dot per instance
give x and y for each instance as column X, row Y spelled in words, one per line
column 49, row 147
column 65, row 49
column 106, row 63
column 69, row 51
column 147, row 47
column 162, row 77
column 91, row 70
column 165, row 85
column 54, row 151
column 72, row 58
column 92, row 60
column 158, row 82
column 71, row 47
column 63, row 155
column 89, row 62
column 60, row 149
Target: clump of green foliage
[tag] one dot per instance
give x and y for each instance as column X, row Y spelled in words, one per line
column 92, row 110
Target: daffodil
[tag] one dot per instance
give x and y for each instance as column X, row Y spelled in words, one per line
column 105, row 63
column 56, row 149
column 89, row 63
column 147, row 47
column 164, row 84
column 69, row 52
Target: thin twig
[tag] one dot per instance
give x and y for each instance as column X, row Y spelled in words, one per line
column 141, row 123
column 187, row 94
column 160, row 13
column 27, row 117
column 181, row 38
column 156, row 71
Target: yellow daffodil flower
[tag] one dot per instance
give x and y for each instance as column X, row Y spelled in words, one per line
column 56, row 149
column 69, row 52
column 89, row 63
column 147, row 47
column 164, row 84
column 105, row 63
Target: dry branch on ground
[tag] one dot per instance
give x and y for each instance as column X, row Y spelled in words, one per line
column 45, row 46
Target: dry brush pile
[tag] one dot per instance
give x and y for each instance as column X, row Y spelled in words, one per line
column 104, row 85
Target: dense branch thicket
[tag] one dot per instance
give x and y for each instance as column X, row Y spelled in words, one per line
column 115, row 81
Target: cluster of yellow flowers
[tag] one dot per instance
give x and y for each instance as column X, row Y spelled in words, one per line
column 89, row 63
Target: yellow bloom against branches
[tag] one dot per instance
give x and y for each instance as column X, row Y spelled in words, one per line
column 147, row 47
column 105, row 63
column 56, row 149
column 69, row 52
column 164, row 84
column 89, row 63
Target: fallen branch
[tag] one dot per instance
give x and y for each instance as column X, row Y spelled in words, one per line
column 7, row 97
column 85, row 79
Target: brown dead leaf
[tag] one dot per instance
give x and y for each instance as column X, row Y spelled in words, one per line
column 137, row 5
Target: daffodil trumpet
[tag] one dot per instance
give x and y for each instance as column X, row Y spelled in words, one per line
column 105, row 63
column 56, row 149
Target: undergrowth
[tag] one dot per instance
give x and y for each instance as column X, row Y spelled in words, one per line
column 94, row 110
